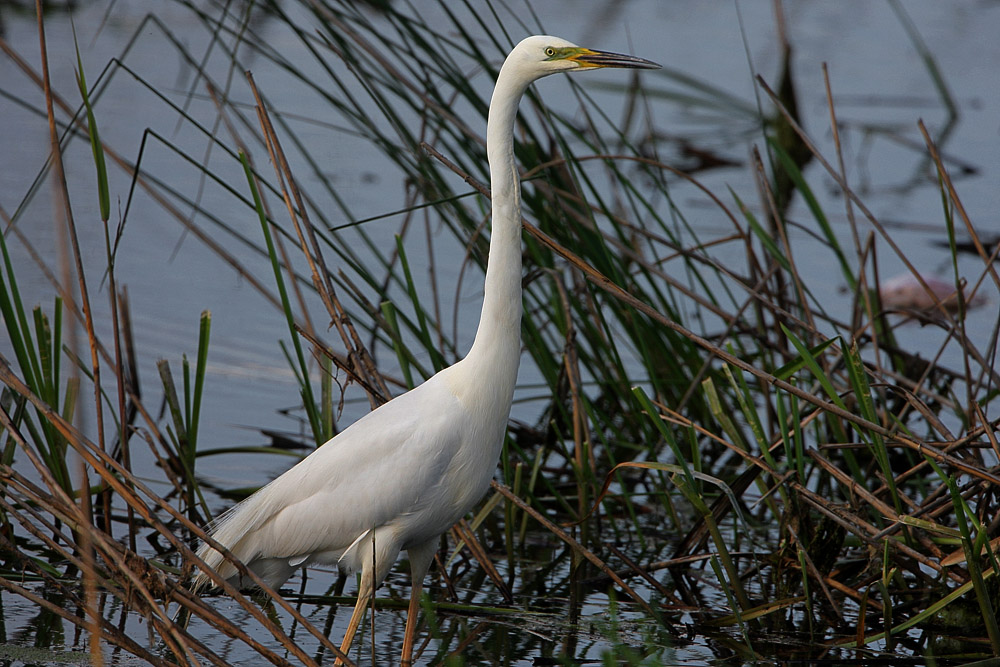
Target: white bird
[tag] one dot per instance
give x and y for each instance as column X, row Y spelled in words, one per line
column 403, row 474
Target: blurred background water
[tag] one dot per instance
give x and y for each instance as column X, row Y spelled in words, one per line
column 881, row 86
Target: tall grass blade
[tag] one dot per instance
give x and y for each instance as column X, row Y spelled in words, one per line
column 313, row 412
column 103, row 192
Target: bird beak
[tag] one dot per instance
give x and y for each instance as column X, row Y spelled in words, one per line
column 592, row 58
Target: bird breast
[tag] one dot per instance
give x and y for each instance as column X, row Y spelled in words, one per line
column 416, row 464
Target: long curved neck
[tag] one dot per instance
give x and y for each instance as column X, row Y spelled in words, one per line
column 497, row 345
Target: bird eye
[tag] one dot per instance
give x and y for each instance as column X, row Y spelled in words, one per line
column 549, row 51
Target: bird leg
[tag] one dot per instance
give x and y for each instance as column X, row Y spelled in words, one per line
column 421, row 556
column 364, row 596
column 412, row 614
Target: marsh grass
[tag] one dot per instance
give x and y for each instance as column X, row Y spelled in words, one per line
column 708, row 443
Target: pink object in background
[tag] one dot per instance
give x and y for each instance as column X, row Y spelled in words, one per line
column 905, row 291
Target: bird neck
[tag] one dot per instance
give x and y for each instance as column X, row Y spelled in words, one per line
column 498, row 341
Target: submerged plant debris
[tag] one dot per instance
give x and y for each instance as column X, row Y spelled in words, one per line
column 709, row 462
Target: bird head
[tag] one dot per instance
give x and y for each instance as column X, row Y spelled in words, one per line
column 541, row 55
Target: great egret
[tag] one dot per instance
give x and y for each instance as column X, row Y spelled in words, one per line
column 406, row 472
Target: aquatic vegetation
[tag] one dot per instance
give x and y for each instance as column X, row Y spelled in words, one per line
column 712, row 450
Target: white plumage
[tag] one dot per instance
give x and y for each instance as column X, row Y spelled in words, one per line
column 403, row 474
column 381, row 472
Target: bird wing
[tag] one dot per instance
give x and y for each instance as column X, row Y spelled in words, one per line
column 378, row 469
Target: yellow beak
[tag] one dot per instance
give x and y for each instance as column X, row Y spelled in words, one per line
column 592, row 58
